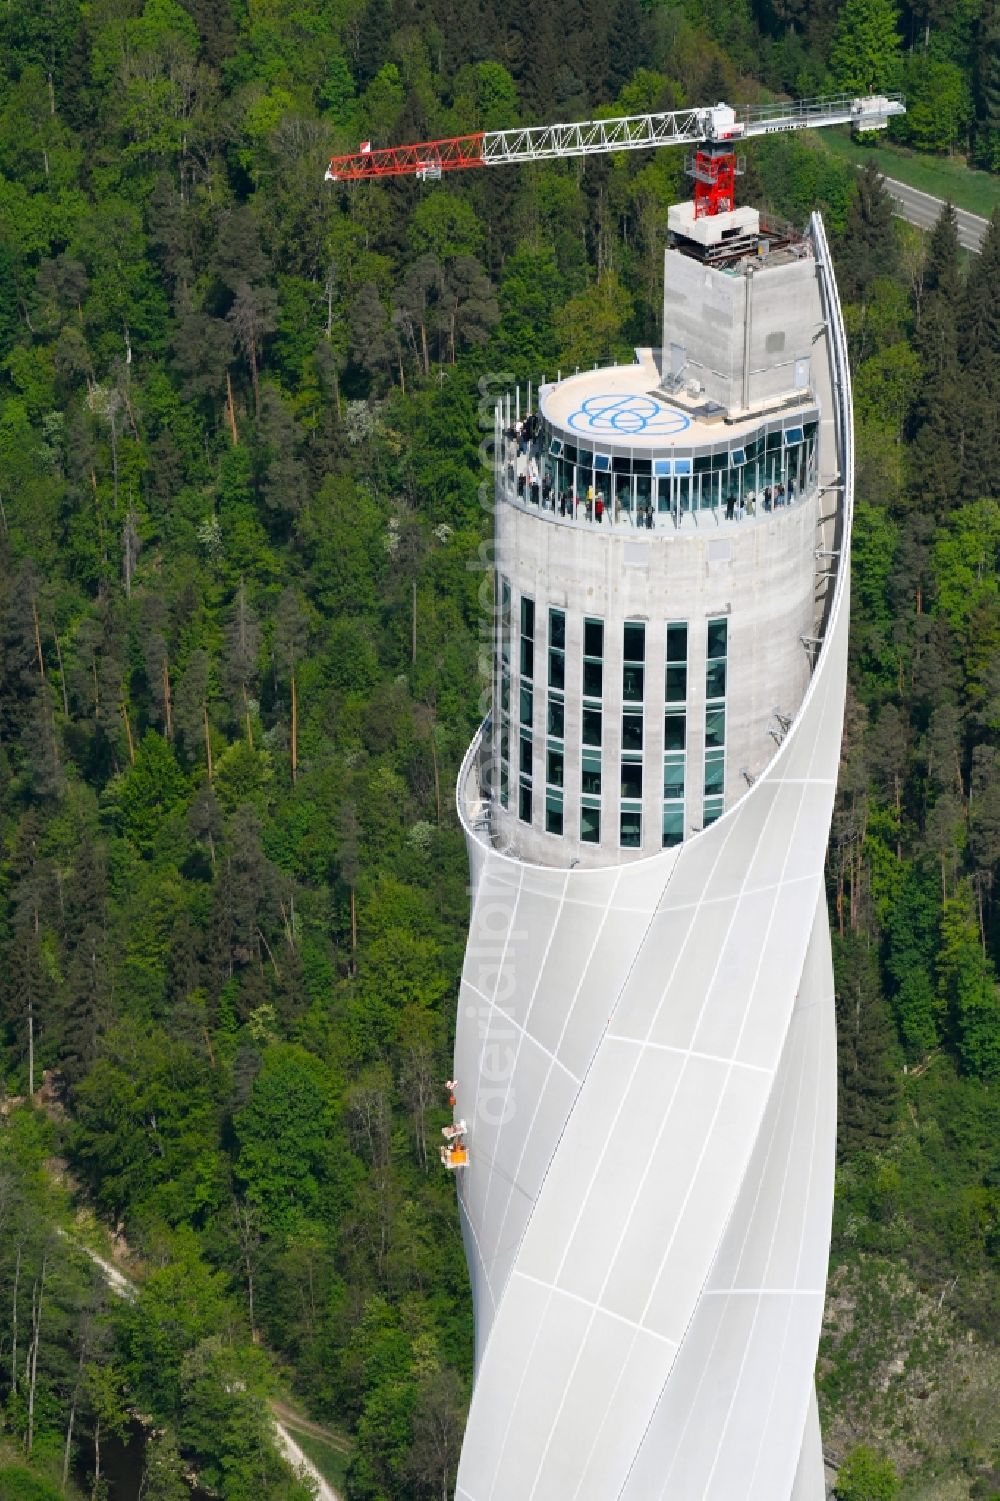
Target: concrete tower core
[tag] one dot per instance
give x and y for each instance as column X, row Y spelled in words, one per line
column 656, row 567
column 645, row 1049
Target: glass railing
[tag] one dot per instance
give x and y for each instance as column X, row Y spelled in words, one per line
column 698, row 502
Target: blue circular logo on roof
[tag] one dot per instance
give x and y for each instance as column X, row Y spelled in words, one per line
column 627, row 417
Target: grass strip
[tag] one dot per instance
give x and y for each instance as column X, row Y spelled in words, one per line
column 942, row 176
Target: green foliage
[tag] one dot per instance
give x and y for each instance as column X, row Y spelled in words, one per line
column 286, row 1136
column 590, row 328
column 967, row 563
column 866, row 1476
column 530, row 290
column 145, row 1125
column 445, row 226
column 179, row 1305
column 969, row 989
column 864, row 55
column 226, row 1423
column 20, row 1484
column 868, row 1103
column 869, row 244
column 913, row 936
column 938, row 103
column 153, row 788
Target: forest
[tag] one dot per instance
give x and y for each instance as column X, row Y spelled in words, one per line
column 241, row 642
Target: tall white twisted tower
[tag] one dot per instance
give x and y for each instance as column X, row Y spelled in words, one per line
column 645, row 1050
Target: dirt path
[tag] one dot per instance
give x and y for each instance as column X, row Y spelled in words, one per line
column 298, row 1424
column 301, row 1462
column 119, row 1284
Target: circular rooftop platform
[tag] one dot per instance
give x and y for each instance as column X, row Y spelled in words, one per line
column 620, row 407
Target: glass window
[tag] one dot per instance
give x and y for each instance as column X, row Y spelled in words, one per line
column 554, row 768
column 673, row 824
column 631, row 779
column 633, row 683
column 590, row 772
column 677, row 643
column 715, row 726
column 635, row 642
column 555, row 447
column 715, row 772
column 557, row 670
column 717, row 634
column 527, row 616
column 557, row 629
column 526, row 755
column 527, row 657
column 715, row 679
column 527, row 703
column 504, row 742
column 553, row 813
column 590, row 823
column 713, row 810
column 593, row 638
column 505, row 693
column 556, row 717
column 793, row 435
column 591, row 726
column 504, row 786
column 631, row 828
column 674, row 731
column 593, row 679
column 524, row 802
column 677, row 678
column 631, row 732
column 673, row 777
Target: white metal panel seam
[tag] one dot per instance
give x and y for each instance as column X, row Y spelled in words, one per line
column 534, row 1117
column 491, row 1002
column 522, row 1032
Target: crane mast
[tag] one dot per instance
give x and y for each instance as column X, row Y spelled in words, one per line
column 715, row 129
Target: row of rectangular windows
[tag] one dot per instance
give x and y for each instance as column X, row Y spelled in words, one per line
column 592, row 723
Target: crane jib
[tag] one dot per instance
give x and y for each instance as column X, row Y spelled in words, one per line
column 718, row 124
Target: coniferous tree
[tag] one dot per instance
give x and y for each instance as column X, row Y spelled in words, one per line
column 987, row 87
column 979, row 347
column 868, row 249
column 869, row 1082
column 939, row 416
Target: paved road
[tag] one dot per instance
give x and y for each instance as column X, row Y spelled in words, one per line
column 923, row 210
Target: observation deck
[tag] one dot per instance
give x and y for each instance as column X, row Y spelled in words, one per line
column 610, row 448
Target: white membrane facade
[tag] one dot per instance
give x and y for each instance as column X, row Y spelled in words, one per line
column 645, row 1048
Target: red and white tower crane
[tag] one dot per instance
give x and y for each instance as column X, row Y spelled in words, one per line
column 715, row 131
